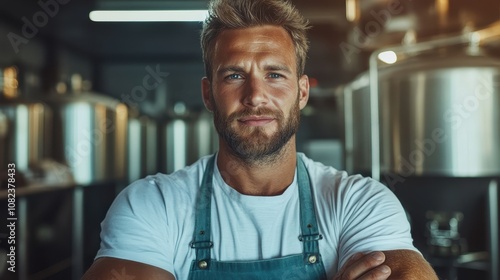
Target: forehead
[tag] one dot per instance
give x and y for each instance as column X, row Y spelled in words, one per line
column 266, row 39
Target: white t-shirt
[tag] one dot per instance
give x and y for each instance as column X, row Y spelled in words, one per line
column 152, row 220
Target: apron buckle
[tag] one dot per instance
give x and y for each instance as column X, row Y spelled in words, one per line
column 201, row 244
column 310, row 237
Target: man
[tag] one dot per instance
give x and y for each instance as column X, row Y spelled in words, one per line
column 256, row 209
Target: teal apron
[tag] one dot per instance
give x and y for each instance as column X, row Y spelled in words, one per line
column 308, row 265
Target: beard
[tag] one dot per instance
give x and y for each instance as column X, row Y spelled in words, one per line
column 253, row 144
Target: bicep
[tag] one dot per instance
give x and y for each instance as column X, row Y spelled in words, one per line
column 407, row 264
column 135, row 228
column 113, row 268
column 372, row 219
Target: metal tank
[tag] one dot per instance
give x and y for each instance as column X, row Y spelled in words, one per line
column 142, row 147
column 438, row 115
column 185, row 137
column 357, row 131
column 90, row 133
column 25, row 132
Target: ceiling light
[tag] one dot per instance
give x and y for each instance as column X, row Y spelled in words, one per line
column 351, row 10
column 388, row 57
column 148, row 16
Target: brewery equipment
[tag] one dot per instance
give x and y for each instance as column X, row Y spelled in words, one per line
column 25, row 134
column 142, row 147
column 426, row 124
column 185, row 137
column 90, row 133
column 447, row 105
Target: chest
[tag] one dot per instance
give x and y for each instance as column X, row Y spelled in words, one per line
column 251, row 231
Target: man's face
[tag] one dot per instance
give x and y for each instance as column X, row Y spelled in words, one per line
column 255, row 94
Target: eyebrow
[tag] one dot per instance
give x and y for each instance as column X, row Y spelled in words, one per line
column 278, row 68
column 221, row 71
column 271, row 67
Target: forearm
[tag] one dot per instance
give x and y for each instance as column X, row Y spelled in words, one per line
column 408, row 265
column 111, row 268
column 396, row 265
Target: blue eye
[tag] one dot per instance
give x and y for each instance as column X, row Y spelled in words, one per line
column 233, row 76
column 275, row 75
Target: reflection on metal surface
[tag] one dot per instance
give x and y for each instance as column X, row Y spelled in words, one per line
column 10, row 82
column 176, row 150
column 21, row 137
column 142, row 148
column 119, row 140
column 77, row 129
column 134, row 150
column 4, row 126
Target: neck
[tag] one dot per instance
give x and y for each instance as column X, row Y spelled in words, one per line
column 263, row 178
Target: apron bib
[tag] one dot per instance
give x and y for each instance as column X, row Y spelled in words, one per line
column 305, row 266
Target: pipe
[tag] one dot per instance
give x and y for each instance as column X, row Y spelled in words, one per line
column 493, row 227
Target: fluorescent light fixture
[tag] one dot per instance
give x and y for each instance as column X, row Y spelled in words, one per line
column 388, row 57
column 148, row 16
column 351, row 10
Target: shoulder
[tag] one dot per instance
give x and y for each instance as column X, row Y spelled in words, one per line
column 145, row 219
column 349, row 194
column 162, row 191
column 330, row 179
column 185, row 180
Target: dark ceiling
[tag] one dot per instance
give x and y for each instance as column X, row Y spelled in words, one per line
column 177, row 42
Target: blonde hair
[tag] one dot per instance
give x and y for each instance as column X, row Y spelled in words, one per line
column 232, row 14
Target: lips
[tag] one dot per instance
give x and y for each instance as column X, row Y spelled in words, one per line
column 256, row 120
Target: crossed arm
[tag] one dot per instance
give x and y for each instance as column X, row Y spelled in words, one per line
column 397, row 265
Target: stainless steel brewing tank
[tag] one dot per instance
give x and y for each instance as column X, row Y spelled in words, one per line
column 438, row 116
column 185, row 138
column 357, row 130
column 90, row 133
column 142, row 147
column 441, row 116
column 25, row 132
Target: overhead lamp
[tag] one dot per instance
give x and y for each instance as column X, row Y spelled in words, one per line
column 148, row 15
column 388, row 57
column 352, row 10
column 149, row 11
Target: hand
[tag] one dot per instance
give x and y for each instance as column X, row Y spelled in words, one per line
column 364, row 266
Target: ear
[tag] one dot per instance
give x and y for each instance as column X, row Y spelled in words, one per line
column 205, row 93
column 303, row 91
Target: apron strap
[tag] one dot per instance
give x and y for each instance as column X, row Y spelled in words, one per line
column 308, row 224
column 201, row 239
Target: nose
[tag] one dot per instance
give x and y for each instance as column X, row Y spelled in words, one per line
column 255, row 92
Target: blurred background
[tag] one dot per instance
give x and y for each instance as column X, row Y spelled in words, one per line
column 407, row 92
